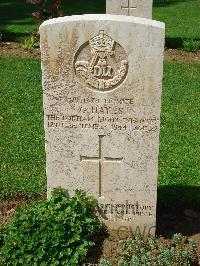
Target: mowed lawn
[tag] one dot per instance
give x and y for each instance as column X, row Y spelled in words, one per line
column 22, row 135
column 22, row 154
column 21, row 119
column 181, row 17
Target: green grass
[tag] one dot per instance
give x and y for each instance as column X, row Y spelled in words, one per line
column 181, row 17
column 22, row 140
column 180, row 127
column 15, row 19
column 179, row 164
column 21, row 119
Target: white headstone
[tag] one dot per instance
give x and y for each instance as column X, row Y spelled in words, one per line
column 102, row 82
column 137, row 8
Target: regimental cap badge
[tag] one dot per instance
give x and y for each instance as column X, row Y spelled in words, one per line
column 101, row 43
column 101, row 72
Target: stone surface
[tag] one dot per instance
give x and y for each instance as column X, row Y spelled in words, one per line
column 137, row 8
column 102, row 83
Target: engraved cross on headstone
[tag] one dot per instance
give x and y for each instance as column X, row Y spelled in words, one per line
column 129, row 7
column 101, row 159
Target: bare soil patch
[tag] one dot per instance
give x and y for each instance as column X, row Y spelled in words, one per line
column 187, row 223
column 182, row 56
column 16, row 49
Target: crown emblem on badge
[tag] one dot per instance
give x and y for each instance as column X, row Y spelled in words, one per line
column 102, row 43
column 100, row 72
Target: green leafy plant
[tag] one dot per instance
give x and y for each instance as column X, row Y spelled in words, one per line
column 139, row 252
column 55, row 232
column 190, row 45
column 105, row 262
column 31, row 42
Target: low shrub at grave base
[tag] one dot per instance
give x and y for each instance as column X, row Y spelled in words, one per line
column 31, row 42
column 55, row 232
column 139, row 252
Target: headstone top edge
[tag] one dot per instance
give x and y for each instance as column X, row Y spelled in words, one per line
column 104, row 17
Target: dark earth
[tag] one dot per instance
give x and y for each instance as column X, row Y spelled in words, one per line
column 186, row 222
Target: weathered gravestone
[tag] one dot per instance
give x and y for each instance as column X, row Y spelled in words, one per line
column 137, row 8
column 102, row 80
